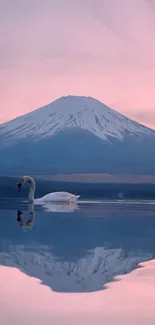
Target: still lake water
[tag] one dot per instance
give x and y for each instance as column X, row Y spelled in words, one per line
column 89, row 264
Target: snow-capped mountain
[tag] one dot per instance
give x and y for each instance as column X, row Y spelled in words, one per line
column 73, row 133
column 69, row 112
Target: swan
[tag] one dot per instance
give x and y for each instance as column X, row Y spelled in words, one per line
column 51, row 197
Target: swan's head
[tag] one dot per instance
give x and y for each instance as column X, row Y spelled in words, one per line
column 20, row 184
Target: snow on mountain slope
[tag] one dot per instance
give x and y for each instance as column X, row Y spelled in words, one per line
column 88, row 274
column 72, row 111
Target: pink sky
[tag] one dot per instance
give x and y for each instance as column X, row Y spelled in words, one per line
column 23, row 300
column 99, row 48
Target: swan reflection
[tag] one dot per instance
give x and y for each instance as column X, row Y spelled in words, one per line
column 49, row 207
column 61, row 207
column 29, row 222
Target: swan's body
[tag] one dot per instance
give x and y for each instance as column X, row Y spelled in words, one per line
column 51, row 197
column 58, row 197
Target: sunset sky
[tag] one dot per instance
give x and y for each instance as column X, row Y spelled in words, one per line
column 99, row 48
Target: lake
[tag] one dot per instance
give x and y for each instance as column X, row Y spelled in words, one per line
column 88, row 264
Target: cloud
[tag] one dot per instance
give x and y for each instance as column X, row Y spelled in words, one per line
column 103, row 48
column 35, row 29
column 146, row 116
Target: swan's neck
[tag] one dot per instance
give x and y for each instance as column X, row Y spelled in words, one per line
column 32, row 190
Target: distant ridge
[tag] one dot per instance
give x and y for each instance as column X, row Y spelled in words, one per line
column 99, row 178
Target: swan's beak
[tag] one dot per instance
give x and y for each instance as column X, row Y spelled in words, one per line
column 19, row 186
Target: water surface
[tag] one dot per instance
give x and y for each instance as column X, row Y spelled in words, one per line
column 67, row 265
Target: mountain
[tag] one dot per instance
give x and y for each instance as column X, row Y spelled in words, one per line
column 76, row 135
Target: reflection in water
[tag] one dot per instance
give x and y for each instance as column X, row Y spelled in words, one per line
column 129, row 301
column 49, row 207
column 29, row 222
column 60, row 207
column 76, row 253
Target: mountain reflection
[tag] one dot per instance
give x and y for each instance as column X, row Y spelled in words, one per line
column 77, row 252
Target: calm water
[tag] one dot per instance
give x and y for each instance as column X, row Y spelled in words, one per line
column 68, row 265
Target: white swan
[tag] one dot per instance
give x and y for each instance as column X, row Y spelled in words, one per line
column 51, row 197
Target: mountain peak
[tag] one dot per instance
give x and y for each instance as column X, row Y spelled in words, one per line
column 71, row 111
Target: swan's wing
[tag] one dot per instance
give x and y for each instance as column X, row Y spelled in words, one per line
column 59, row 197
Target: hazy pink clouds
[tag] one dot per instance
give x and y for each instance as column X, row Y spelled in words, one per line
column 99, row 48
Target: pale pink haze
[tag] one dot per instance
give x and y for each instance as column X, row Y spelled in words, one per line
column 23, row 300
column 99, row 48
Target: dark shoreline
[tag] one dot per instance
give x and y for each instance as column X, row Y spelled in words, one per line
column 8, row 188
